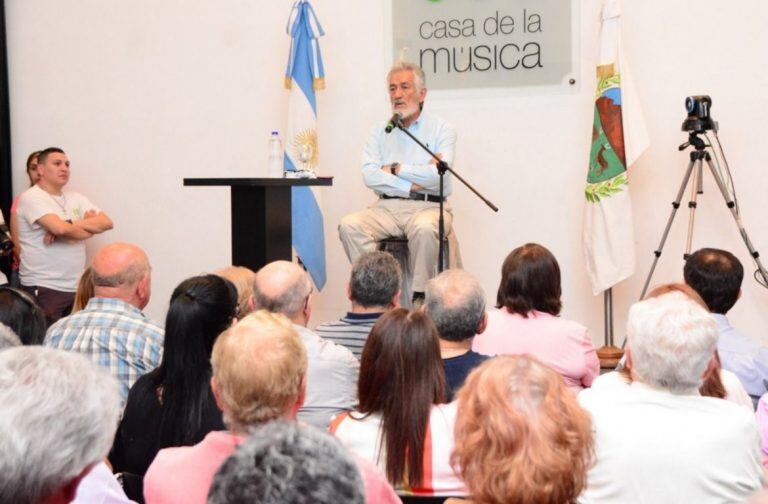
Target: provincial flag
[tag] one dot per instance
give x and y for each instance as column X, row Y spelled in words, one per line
column 619, row 137
column 303, row 75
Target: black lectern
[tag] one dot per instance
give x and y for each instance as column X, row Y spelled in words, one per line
column 261, row 216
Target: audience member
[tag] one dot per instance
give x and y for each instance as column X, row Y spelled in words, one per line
column 400, row 423
column 527, row 320
column 718, row 382
column 259, row 374
column 8, row 338
column 521, row 435
column 283, row 287
column 13, row 221
column 658, row 440
column 84, row 291
column 286, row 462
column 19, row 311
column 58, row 420
column 173, row 405
column 716, row 276
column 243, row 279
column 112, row 331
column 53, row 226
column 374, row 287
column 455, row 302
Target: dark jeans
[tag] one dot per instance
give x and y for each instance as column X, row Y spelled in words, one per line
column 55, row 304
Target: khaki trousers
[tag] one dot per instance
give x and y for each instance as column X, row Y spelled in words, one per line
column 415, row 220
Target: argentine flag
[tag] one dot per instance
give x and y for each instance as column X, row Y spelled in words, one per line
column 303, row 76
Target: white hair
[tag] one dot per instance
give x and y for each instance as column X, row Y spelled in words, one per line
column 671, row 341
column 419, row 79
column 59, row 415
column 8, row 338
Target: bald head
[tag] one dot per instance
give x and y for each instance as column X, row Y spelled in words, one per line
column 283, row 287
column 121, row 270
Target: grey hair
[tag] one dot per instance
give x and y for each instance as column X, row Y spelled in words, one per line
column 455, row 301
column 129, row 276
column 671, row 340
column 8, row 338
column 59, row 416
column 286, row 462
column 419, row 79
column 375, row 279
column 290, row 302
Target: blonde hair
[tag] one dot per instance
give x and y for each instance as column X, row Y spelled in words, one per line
column 84, row 290
column 258, row 364
column 521, row 436
column 243, row 279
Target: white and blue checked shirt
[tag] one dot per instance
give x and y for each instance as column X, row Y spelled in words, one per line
column 114, row 335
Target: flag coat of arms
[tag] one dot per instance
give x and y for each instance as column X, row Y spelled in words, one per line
column 303, row 75
column 619, row 137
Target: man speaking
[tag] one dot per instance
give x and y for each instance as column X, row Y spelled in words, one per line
column 405, row 178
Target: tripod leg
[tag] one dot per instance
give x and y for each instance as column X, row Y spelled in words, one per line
column 731, row 204
column 696, row 189
column 675, row 206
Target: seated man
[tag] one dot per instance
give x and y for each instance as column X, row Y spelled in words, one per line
column 259, row 375
column 406, row 180
column 59, row 415
column 283, row 287
column 716, row 276
column 53, row 225
column 112, row 331
column 657, row 440
column 374, row 287
column 288, row 462
column 455, row 301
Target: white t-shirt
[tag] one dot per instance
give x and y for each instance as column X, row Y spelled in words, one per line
column 59, row 265
column 655, row 447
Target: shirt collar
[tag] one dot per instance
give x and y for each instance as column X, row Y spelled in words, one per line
column 111, row 305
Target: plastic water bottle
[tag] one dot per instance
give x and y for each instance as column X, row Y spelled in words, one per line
column 275, row 156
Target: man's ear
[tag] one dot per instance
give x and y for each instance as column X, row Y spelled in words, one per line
column 349, row 291
column 142, row 288
column 711, row 367
column 395, row 302
column 483, row 325
column 216, row 392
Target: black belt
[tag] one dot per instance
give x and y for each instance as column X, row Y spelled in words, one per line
column 417, row 197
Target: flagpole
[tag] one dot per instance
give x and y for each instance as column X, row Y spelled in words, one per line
column 609, row 354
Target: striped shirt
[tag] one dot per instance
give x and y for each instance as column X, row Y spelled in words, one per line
column 114, row 335
column 350, row 331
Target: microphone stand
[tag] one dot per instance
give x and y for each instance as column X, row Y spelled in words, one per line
column 443, row 167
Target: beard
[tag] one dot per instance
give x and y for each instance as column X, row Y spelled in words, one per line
column 406, row 112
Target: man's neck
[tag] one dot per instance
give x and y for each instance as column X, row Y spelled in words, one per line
column 407, row 121
column 450, row 349
column 362, row 310
column 50, row 188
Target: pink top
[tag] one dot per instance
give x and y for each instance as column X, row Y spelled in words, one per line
column 563, row 345
column 185, row 474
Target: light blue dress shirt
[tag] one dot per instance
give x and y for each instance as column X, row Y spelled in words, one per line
column 383, row 149
column 744, row 357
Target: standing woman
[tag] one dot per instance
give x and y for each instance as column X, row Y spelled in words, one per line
column 173, row 405
column 401, row 424
column 13, row 222
column 527, row 319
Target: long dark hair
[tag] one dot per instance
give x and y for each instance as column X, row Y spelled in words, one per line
column 202, row 307
column 530, row 280
column 401, row 377
column 20, row 312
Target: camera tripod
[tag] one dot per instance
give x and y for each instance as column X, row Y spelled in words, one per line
column 695, row 169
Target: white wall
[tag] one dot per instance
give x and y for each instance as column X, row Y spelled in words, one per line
column 146, row 92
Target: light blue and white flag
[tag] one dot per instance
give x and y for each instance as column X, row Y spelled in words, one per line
column 303, row 76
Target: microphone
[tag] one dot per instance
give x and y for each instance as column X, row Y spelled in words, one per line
column 393, row 123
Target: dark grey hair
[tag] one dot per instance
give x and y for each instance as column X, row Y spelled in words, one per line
column 375, row 279
column 284, row 462
column 455, row 301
